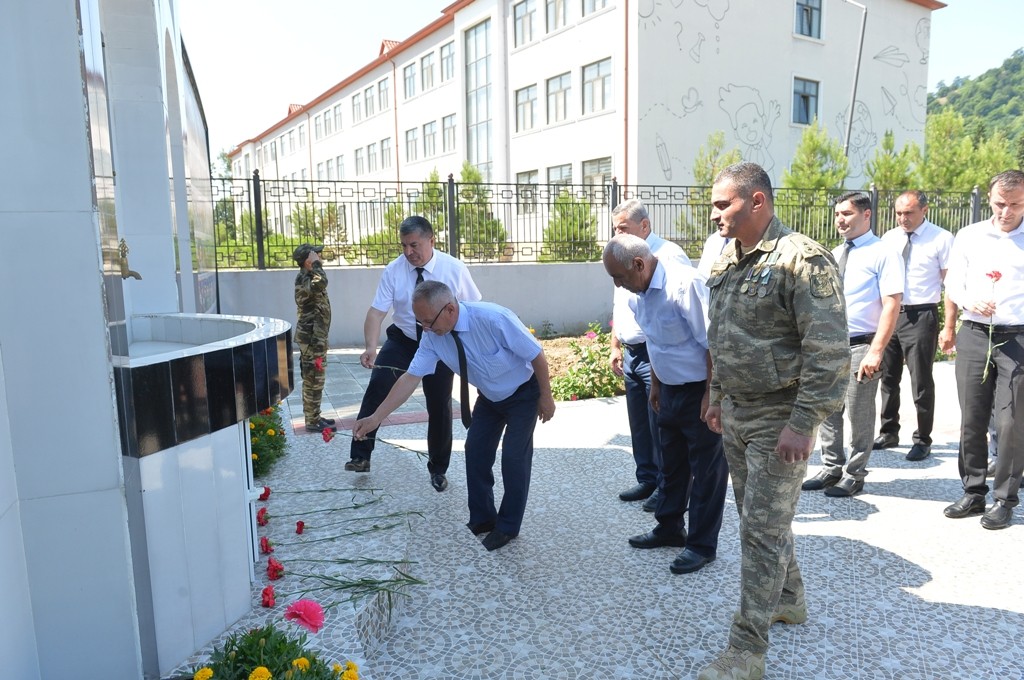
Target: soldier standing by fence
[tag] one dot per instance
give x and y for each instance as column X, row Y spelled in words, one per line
column 311, row 330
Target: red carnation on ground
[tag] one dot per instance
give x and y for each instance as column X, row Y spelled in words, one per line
column 318, row 363
column 300, row 526
column 307, row 614
column 328, row 434
column 265, row 547
column 268, row 596
column 262, row 517
column 275, row 569
column 266, row 493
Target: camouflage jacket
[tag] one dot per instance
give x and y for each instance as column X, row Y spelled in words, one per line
column 314, row 308
column 777, row 327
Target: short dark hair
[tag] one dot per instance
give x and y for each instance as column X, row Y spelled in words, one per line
column 748, row 178
column 922, row 198
column 1008, row 179
column 415, row 224
column 858, row 199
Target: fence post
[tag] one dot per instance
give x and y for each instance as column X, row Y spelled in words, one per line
column 614, row 194
column 257, row 199
column 874, row 208
column 453, row 219
column 976, row 204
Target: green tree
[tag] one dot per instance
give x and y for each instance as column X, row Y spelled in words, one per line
column 947, row 154
column 382, row 246
column 890, row 170
column 481, row 236
column 571, row 234
column 694, row 221
column 819, row 168
column 303, row 219
column 992, row 156
column 430, row 203
column 712, row 159
column 224, row 218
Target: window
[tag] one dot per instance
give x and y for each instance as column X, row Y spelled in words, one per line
column 281, row 144
column 427, row 72
column 383, row 95
column 448, row 133
column 524, row 14
column 808, row 18
column 591, row 6
column 478, row 98
column 330, row 170
column 597, row 171
column 597, row 86
column 560, row 174
column 248, row 165
column 320, row 171
column 527, row 191
column 302, row 136
column 368, row 97
column 303, row 175
column 411, row 145
column 327, row 125
column 273, row 151
column 291, row 141
column 558, row 97
column 526, row 104
column 359, row 162
column 410, row 80
column 318, row 127
column 447, row 61
column 357, row 107
column 385, row 153
column 341, row 167
column 557, row 14
column 337, row 117
column 430, row 139
column 805, row 101
column 371, row 157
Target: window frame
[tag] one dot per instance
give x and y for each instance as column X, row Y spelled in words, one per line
column 805, row 100
column 556, row 95
column 604, row 77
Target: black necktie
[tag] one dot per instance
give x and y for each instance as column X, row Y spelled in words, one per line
column 419, row 280
column 843, row 258
column 906, row 251
column 467, row 418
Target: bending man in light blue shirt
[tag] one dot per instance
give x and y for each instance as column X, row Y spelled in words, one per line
column 510, row 371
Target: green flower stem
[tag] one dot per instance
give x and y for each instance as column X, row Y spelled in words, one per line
column 337, row 536
column 419, row 454
column 351, row 488
column 390, row 515
column 354, row 506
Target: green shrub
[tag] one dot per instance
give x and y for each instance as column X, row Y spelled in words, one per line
column 271, row 649
column 591, row 376
column 266, row 432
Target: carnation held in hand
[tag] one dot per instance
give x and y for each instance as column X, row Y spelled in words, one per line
column 307, row 614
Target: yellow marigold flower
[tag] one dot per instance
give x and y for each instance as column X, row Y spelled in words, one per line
column 261, row 673
column 302, row 663
column 203, row 674
column 350, row 675
column 270, row 432
column 337, row 669
column 252, row 426
column 255, row 457
column 532, row 332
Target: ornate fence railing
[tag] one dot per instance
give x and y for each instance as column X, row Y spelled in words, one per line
column 259, row 222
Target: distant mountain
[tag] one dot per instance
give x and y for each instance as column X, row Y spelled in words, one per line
column 995, row 99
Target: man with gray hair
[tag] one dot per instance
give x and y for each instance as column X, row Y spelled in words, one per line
column 630, row 359
column 671, row 308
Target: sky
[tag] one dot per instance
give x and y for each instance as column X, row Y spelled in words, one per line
column 251, row 58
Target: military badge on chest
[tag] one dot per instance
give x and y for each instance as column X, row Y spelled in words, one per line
column 759, row 281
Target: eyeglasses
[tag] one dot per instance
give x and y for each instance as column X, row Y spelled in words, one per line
column 428, row 326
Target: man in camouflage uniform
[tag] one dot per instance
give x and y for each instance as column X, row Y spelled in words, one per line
column 311, row 329
column 781, row 360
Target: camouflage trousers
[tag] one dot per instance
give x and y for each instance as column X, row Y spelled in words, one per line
column 312, row 382
column 766, row 490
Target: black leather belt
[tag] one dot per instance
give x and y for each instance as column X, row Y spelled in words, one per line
column 995, row 329
column 861, row 339
column 918, row 308
column 634, row 348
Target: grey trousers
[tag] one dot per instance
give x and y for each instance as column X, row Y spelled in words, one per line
column 859, row 407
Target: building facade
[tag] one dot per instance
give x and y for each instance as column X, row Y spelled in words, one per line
column 578, row 91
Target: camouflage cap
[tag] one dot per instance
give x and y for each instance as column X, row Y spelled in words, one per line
column 303, row 251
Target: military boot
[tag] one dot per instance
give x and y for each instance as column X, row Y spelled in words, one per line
column 735, row 664
column 790, row 614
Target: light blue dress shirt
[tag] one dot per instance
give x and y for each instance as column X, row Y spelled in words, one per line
column 873, row 270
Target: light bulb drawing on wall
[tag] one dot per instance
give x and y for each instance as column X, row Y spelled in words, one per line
column 648, row 12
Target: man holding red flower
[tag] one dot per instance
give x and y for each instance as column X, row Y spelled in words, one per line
column 986, row 281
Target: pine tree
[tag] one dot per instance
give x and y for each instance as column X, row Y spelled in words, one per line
column 481, row 236
column 818, row 162
column 889, row 170
column 571, row 234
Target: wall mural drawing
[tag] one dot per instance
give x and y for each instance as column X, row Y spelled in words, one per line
column 893, row 56
column 923, row 37
column 862, row 136
column 648, row 12
column 695, row 50
column 751, row 121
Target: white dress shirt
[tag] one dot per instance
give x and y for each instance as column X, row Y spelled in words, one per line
column 399, row 280
column 624, row 324
column 978, row 250
column 499, row 350
column 673, row 315
column 714, row 246
column 929, row 256
column 873, row 270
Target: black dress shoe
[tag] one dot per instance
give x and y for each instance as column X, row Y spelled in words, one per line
column 823, row 480
column 688, row 562
column 329, row 421
column 358, row 465
column 481, row 528
column 651, row 504
column 653, row 539
column 319, row 425
column 638, row 492
column 439, row 482
column 496, row 539
column 886, row 441
column 919, row 451
column 968, row 505
column 991, row 471
column 998, row 516
column 847, row 486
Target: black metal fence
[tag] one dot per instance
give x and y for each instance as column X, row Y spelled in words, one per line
column 260, row 222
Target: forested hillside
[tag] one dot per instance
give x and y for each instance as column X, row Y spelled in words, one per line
column 992, row 101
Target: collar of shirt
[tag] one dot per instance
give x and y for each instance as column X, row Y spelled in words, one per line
column 768, row 243
column 657, row 279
